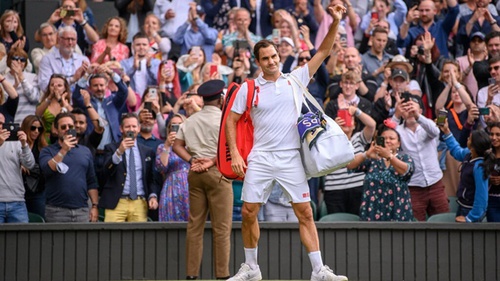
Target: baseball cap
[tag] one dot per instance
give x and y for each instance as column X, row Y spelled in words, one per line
column 477, row 34
column 399, row 73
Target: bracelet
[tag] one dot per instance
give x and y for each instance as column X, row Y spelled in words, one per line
column 383, row 85
column 83, row 23
column 89, row 106
column 358, row 112
column 389, row 158
column 155, row 34
column 54, row 160
column 60, row 155
column 458, row 86
column 191, row 160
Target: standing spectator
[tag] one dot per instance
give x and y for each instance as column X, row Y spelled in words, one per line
column 131, row 186
column 172, row 14
column 301, row 11
column 439, row 29
column 68, row 15
column 174, row 197
column 55, row 100
column 493, row 210
column 8, row 104
column 48, row 35
column 480, row 68
column 419, row 139
column 34, row 182
column 195, row 32
column 376, row 59
column 383, row 10
column 12, row 32
column 134, row 13
column 112, row 46
column 88, row 15
column 146, row 125
column 489, row 94
column 142, row 68
column 69, row 176
column 25, row 83
column 92, row 139
column 477, row 162
column 14, row 154
column 159, row 44
column 350, row 21
column 476, row 52
column 385, row 190
column 190, row 67
column 62, row 60
column 209, row 191
column 343, row 190
column 218, row 13
column 242, row 21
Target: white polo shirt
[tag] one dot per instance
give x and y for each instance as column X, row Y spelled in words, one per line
column 275, row 116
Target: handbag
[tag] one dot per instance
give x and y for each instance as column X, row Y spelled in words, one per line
column 31, row 181
column 324, row 146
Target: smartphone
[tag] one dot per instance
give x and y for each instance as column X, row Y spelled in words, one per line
column 148, row 106
column 374, row 15
column 441, row 117
column 71, row 132
column 344, row 115
column 13, row 128
column 175, row 127
column 380, row 141
column 405, row 96
column 276, row 35
column 213, row 69
column 118, row 71
column 152, row 92
column 196, row 51
column 130, row 134
column 484, row 111
column 169, row 65
column 491, row 81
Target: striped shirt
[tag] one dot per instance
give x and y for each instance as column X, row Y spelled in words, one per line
column 341, row 179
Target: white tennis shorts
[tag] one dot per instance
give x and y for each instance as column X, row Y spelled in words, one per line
column 266, row 167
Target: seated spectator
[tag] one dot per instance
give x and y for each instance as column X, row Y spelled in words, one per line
column 112, row 45
column 174, row 196
column 34, row 182
column 218, row 13
column 63, row 60
column 69, row 174
column 158, row 42
column 15, row 152
column 477, row 162
column 343, row 190
column 385, row 190
column 142, row 68
column 195, row 32
column 56, row 99
column 189, row 67
column 12, row 32
column 25, row 83
column 9, row 102
column 69, row 15
column 131, row 187
column 48, row 35
column 134, row 13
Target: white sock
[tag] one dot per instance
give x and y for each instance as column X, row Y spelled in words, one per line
column 316, row 261
column 251, row 258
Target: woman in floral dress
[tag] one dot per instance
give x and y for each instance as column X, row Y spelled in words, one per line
column 386, row 196
column 174, row 197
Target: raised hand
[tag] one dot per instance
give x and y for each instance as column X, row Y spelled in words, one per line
column 337, row 12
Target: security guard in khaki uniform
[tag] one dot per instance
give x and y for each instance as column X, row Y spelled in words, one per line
column 209, row 192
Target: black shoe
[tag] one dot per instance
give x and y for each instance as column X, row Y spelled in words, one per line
column 191, row 277
column 222, row 278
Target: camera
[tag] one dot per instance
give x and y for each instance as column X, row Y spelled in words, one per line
column 420, row 50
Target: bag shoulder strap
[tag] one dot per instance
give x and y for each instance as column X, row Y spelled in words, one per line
column 251, row 89
column 306, row 94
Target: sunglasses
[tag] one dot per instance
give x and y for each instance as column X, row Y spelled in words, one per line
column 496, row 67
column 21, row 59
column 304, row 58
column 33, row 128
column 65, row 127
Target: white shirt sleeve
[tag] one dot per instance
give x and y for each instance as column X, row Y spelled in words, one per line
column 240, row 101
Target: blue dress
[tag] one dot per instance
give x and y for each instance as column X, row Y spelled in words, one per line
column 386, row 196
column 174, row 197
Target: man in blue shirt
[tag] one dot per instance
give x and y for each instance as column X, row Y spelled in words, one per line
column 195, row 32
column 69, row 176
column 375, row 59
column 440, row 29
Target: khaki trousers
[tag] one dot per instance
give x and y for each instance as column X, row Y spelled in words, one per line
column 209, row 193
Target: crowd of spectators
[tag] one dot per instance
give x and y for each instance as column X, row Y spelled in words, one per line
column 88, row 120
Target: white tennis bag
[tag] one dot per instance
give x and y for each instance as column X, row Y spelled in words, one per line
column 331, row 150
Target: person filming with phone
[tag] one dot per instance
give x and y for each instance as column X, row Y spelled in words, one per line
column 69, row 176
column 489, row 94
column 131, row 187
column 15, row 152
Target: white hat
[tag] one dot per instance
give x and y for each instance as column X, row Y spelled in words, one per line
column 288, row 40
